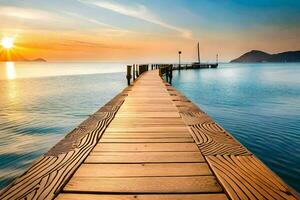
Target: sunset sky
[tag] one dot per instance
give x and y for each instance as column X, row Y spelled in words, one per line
column 149, row 30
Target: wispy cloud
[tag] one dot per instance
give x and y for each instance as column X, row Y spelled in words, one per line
column 25, row 13
column 91, row 20
column 141, row 12
column 109, row 28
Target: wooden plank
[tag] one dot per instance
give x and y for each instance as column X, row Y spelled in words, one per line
column 149, row 120
column 75, row 196
column 148, row 109
column 192, row 184
column 146, row 140
column 148, row 101
column 146, row 147
column 144, row 157
column 142, row 170
column 175, row 134
column 145, row 136
column 148, row 114
column 125, row 125
column 172, row 129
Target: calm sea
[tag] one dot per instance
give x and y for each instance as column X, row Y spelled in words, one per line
column 258, row 103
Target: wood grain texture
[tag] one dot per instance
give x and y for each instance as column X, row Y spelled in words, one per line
column 144, row 157
column 160, row 185
column 70, row 196
column 165, row 147
column 245, row 177
column 147, row 135
column 143, row 170
column 147, row 140
column 214, row 140
column 168, row 129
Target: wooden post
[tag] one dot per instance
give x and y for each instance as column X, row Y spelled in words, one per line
column 137, row 70
column 128, row 74
column 133, row 72
column 167, row 73
column 171, row 73
column 179, row 53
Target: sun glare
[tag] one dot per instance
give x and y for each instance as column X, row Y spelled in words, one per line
column 7, row 42
column 10, row 70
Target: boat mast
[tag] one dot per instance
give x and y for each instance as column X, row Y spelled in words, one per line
column 198, row 53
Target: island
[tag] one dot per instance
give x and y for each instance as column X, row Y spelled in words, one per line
column 256, row 56
column 6, row 55
column 5, row 59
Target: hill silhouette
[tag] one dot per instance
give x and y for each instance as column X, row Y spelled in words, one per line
column 255, row 56
column 13, row 56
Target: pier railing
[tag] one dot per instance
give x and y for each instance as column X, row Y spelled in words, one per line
column 135, row 70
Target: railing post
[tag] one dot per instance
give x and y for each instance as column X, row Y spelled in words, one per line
column 136, row 70
column 171, row 73
column 160, row 71
column 133, row 72
column 167, row 73
column 128, row 76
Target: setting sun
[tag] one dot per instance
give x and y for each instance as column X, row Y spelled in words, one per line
column 7, row 42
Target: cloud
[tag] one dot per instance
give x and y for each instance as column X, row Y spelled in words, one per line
column 112, row 30
column 88, row 19
column 140, row 12
column 25, row 13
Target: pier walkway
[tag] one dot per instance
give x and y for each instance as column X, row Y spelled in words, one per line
column 149, row 143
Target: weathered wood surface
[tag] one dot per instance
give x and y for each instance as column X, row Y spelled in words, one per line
column 154, row 185
column 145, row 170
column 216, row 196
column 144, row 157
column 147, row 149
column 150, row 142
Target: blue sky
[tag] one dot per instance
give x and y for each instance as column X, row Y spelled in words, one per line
column 150, row 30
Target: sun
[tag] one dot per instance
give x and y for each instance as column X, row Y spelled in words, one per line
column 7, row 42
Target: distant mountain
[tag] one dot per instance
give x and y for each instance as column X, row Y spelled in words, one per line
column 23, row 60
column 39, row 60
column 6, row 56
column 255, row 56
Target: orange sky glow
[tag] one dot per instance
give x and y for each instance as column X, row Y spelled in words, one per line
column 143, row 31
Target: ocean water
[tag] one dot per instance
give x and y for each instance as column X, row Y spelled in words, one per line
column 259, row 104
column 41, row 102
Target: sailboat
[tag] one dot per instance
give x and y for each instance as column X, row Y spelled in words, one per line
column 203, row 65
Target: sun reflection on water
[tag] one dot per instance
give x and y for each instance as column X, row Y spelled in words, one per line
column 10, row 70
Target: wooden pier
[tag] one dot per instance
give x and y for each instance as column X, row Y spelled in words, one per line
column 148, row 143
